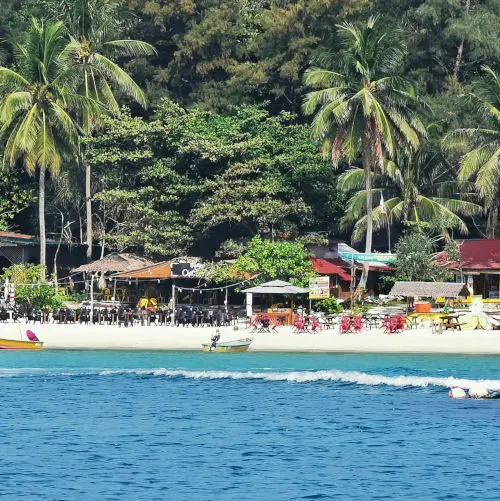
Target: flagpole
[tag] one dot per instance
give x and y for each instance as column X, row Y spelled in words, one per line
column 389, row 231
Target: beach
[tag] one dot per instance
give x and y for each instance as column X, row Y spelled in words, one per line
column 112, row 337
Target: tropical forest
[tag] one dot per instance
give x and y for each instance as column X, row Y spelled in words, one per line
column 196, row 127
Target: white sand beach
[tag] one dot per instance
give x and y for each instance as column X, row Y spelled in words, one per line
column 112, row 337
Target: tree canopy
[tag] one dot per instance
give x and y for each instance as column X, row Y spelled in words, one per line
column 228, row 148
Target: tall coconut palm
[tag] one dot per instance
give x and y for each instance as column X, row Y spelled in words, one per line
column 38, row 107
column 416, row 187
column 482, row 163
column 362, row 107
column 91, row 24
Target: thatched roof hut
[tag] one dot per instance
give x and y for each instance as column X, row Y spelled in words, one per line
column 430, row 289
column 115, row 262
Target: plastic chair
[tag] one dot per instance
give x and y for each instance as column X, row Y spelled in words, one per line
column 345, row 325
column 315, row 325
column 357, row 323
column 299, row 325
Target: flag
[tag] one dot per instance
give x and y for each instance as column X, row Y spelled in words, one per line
column 383, row 208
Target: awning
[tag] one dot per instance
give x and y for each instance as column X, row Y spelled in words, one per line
column 327, row 267
column 276, row 287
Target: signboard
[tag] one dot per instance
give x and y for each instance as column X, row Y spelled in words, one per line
column 319, row 288
column 249, row 304
column 373, row 257
column 184, row 270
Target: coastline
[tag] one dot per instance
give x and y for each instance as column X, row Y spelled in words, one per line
column 156, row 338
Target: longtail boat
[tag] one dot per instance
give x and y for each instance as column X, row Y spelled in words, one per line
column 18, row 344
column 228, row 346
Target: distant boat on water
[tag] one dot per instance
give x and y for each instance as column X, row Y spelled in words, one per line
column 33, row 343
column 227, row 346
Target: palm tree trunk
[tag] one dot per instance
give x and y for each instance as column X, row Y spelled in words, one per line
column 458, row 59
column 369, row 204
column 88, row 203
column 41, row 216
column 492, row 221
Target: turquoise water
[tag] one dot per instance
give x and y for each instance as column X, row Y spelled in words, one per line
column 251, row 426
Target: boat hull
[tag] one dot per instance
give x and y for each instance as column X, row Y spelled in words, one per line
column 15, row 344
column 228, row 347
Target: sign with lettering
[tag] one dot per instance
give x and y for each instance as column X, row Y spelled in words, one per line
column 184, row 270
column 374, row 257
column 319, row 288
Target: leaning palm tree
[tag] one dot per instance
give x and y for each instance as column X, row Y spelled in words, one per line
column 419, row 187
column 38, row 107
column 482, row 162
column 91, row 24
column 363, row 107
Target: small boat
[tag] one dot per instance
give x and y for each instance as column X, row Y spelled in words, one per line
column 228, row 346
column 33, row 343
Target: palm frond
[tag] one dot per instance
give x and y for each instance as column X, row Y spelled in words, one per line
column 130, row 48
column 120, row 78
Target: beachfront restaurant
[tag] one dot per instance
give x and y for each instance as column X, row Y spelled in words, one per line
column 479, row 268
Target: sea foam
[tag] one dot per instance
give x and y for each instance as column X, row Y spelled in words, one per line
column 346, row 377
column 353, row 377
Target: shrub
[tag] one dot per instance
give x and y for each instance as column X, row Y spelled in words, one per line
column 30, row 288
column 329, row 305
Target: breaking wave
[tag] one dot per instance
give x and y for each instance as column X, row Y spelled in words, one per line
column 302, row 377
column 352, row 377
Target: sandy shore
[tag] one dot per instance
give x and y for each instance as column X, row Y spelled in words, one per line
column 97, row 337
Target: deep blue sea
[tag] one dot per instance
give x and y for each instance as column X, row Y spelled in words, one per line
column 250, row 426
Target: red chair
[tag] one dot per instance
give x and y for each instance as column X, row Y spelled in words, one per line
column 394, row 325
column 299, row 325
column 345, row 325
column 357, row 323
column 386, row 323
column 315, row 325
column 274, row 323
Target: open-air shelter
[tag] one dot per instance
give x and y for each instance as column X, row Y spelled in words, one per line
column 274, row 288
column 113, row 263
column 434, row 290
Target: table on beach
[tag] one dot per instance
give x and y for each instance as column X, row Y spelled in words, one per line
column 450, row 322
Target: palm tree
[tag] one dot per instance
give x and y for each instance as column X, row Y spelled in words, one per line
column 482, row 163
column 91, row 24
column 364, row 108
column 418, row 187
column 37, row 107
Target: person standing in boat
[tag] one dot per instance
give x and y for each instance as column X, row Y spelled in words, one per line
column 215, row 338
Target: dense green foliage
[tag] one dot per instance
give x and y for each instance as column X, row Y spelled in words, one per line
column 224, row 152
column 275, row 260
column 30, row 288
column 416, row 258
column 200, row 178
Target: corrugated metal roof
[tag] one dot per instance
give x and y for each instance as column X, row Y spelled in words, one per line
column 154, row 271
column 328, row 267
column 480, row 254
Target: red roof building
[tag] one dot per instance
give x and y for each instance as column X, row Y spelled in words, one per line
column 481, row 254
column 480, row 266
column 330, row 267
